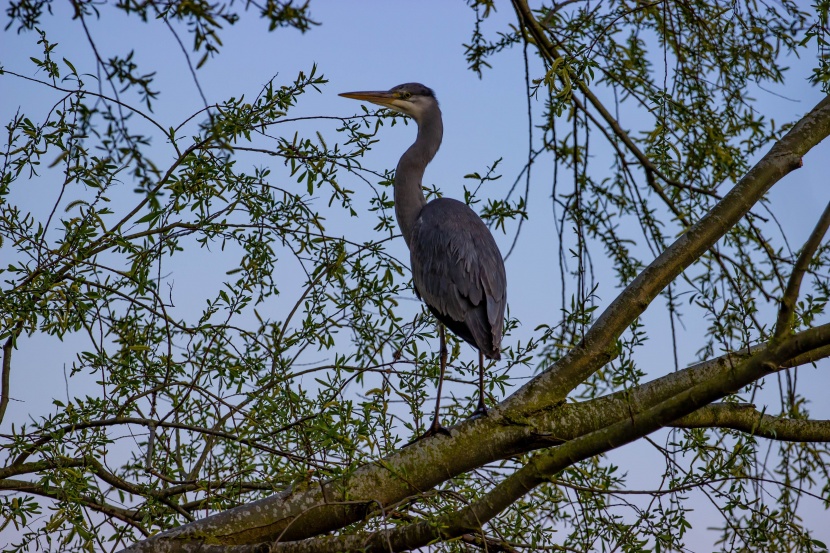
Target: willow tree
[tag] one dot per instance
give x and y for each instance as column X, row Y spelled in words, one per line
column 212, row 425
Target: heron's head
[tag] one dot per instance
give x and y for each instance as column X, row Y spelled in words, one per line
column 413, row 99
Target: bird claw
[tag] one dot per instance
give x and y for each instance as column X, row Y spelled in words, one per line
column 434, row 429
column 481, row 411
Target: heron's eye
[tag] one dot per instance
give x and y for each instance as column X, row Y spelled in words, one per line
column 404, row 95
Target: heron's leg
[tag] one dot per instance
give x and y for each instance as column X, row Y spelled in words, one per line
column 435, row 427
column 482, row 408
column 436, row 423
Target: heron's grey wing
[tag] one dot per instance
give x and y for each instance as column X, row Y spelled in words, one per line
column 458, row 271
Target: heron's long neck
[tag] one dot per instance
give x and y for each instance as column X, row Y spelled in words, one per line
column 409, row 198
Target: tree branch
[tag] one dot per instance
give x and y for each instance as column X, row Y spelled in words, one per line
column 124, row 515
column 786, row 312
column 39, row 466
column 5, row 380
column 116, row 421
column 566, row 425
column 546, row 464
column 746, row 418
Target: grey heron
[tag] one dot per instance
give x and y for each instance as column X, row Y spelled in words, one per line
column 457, row 268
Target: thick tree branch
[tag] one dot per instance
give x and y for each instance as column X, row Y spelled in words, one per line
column 746, row 418
column 679, row 405
column 580, row 419
column 39, row 466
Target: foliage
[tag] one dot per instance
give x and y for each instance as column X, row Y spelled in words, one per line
column 200, row 403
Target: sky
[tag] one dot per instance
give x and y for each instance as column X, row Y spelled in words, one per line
column 375, row 45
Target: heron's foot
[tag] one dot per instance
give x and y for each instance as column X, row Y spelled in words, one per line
column 481, row 411
column 434, row 428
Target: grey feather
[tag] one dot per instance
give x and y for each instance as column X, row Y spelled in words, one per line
column 459, row 273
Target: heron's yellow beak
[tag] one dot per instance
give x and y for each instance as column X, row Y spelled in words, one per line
column 385, row 99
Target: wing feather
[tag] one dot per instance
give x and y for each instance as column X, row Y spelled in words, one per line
column 458, row 271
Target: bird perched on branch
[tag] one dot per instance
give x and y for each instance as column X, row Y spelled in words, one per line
column 457, row 268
